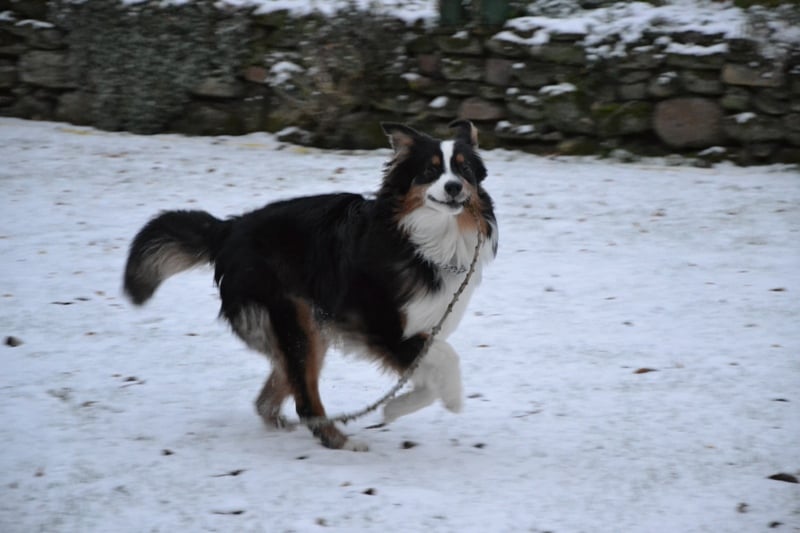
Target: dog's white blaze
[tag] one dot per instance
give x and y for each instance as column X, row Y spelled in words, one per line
column 437, row 190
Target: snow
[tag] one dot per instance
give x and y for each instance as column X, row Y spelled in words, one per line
column 696, row 49
column 410, row 11
column 609, row 30
column 36, row 24
column 557, row 89
column 439, row 102
column 665, row 78
column 281, row 73
column 114, row 418
column 713, row 150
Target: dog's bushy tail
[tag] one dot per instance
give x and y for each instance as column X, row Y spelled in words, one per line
column 170, row 243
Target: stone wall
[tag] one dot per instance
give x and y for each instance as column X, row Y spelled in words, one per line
column 328, row 81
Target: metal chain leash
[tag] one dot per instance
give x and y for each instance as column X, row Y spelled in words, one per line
column 344, row 418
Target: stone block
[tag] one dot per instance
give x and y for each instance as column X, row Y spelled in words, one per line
column 29, row 9
column 735, row 99
column 617, row 119
column 531, row 74
column 562, row 53
column 749, row 128
column 425, row 85
column 506, row 44
column 578, row 146
column 788, row 155
column 695, row 57
column 462, row 88
column 520, row 132
column 462, row 69
column 665, row 85
column 443, row 107
column 479, row 109
column 498, row 71
column 460, row 43
column 633, row 76
column 642, row 58
column 702, row 82
column 401, row 104
column 794, row 80
column 632, row 91
column 567, row 109
column 772, row 101
column 208, row 119
column 429, row 64
column 40, row 35
column 52, row 69
column 421, row 44
column 255, row 74
column 763, row 75
column 691, row 122
column 74, row 107
column 525, row 105
column 792, row 122
column 491, row 92
column 739, row 47
column 8, row 75
column 218, row 87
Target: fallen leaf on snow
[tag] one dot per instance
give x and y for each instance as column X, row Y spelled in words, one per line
column 13, row 341
column 788, row 478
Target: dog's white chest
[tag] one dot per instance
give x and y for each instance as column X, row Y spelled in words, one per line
column 439, row 240
column 425, row 311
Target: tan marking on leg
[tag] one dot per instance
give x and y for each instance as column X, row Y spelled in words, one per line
column 269, row 402
column 329, row 434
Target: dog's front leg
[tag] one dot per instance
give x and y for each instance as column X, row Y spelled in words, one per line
column 407, row 403
column 438, row 376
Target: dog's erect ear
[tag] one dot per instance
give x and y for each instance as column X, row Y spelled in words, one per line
column 465, row 132
column 401, row 136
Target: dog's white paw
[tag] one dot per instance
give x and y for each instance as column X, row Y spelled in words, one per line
column 355, row 446
column 454, row 404
column 390, row 413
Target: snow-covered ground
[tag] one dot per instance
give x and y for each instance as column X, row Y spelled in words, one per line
column 114, row 418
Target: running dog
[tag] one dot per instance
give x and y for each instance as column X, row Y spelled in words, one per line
column 372, row 275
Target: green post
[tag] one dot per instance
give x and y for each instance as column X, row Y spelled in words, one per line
column 491, row 12
column 452, row 13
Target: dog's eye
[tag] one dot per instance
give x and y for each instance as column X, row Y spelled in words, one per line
column 429, row 174
column 466, row 171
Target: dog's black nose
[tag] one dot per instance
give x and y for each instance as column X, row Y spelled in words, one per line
column 453, row 188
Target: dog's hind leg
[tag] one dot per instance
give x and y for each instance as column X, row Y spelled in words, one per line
column 269, row 402
column 253, row 325
column 303, row 348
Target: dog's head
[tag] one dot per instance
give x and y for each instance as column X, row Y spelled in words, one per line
column 444, row 176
